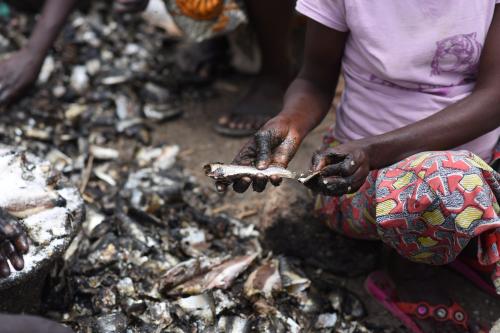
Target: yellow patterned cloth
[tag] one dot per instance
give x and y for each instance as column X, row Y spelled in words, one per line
column 427, row 207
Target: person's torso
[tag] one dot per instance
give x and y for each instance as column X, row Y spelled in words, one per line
column 407, row 59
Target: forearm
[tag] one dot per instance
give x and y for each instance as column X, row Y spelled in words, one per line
column 306, row 104
column 49, row 24
column 476, row 115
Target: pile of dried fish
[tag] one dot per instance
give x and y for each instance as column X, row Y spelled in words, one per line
column 150, row 257
column 155, row 262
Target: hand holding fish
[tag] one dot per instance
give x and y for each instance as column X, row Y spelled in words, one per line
column 13, row 244
column 343, row 169
column 274, row 144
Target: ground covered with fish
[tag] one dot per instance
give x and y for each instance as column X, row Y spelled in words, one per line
column 155, row 254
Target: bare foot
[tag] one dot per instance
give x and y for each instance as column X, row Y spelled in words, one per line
column 261, row 103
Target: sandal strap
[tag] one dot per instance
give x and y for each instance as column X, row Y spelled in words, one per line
column 423, row 310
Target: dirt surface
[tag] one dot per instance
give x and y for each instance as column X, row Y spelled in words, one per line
column 200, row 144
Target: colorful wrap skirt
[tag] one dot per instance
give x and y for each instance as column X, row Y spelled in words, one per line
column 427, row 207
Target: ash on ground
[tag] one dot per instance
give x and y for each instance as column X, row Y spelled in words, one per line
column 151, row 257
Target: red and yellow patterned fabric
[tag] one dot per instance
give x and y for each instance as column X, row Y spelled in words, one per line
column 427, row 207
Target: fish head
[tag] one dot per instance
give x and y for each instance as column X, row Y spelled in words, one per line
column 214, row 170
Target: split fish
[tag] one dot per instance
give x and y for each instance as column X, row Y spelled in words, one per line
column 229, row 172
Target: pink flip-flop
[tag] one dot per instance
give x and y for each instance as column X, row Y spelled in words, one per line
column 382, row 288
column 467, row 271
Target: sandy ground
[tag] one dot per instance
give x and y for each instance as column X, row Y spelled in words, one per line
column 200, row 144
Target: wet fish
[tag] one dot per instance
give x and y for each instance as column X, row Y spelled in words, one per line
column 229, row 172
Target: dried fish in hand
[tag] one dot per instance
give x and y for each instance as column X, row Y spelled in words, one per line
column 229, row 172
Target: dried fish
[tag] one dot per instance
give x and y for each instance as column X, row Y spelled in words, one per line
column 326, row 320
column 264, row 280
column 125, row 287
column 344, row 301
column 110, row 323
column 104, row 153
column 188, row 270
column 292, row 281
column 152, row 237
column 199, row 306
column 221, row 276
column 79, row 79
column 234, row 324
column 228, row 172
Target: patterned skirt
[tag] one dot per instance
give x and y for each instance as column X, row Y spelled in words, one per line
column 427, row 207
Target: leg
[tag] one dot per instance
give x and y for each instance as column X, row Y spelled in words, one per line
column 428, row 208
column 271, row 21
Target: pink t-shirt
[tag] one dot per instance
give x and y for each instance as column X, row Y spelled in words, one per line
column 405, row 60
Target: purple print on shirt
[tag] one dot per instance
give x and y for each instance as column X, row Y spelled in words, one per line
column 457, row 54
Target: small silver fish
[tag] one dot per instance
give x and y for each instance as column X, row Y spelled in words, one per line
column 229, row 172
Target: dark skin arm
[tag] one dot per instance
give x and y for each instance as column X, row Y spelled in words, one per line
column 19, row 71
column 345, row 167
column 306, row 103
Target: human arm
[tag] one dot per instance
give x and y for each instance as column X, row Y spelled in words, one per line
column 306, row 102
column 20, row 70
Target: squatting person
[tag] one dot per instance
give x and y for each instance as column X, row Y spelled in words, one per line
column 410, row 158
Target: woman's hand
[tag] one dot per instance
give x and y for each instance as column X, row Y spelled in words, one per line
column 13, row 244
column 274, row 144
column 18, row 73
column 343, row 169
column 130, row 6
